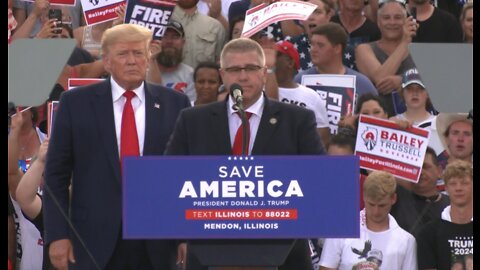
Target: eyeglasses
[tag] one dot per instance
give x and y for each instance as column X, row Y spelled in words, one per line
column 248, row 69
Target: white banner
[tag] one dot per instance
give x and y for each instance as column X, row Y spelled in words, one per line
column 98, row 11
column 76, row 82
column 383, row 146
column 54, row 3
column 263, row 15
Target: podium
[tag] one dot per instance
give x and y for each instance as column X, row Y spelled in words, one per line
column 239, row 252
column 247, row 212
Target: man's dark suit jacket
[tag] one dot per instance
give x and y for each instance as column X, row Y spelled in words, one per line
column 83, row 147
column 284, row 130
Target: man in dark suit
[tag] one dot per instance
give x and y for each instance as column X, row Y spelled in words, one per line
column 88, row 140
column 276, row 128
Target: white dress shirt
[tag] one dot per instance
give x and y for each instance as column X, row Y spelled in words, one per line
column 234, row 120
column 138, row 104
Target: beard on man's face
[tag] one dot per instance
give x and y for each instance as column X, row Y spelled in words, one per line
column 170, row 57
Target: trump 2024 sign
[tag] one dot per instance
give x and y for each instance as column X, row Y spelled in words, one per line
column 208, row 197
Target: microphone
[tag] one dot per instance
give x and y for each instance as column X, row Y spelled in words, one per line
column 237, row 94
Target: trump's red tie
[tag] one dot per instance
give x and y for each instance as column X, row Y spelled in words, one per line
column 128, row 136
column 237, row 143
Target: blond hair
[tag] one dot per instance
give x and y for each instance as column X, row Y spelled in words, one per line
column 457, row 168
column 126, row 33
column 379, row 185
column 241, row 45
column 465, row 8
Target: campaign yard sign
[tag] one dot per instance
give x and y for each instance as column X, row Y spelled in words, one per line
column 59, row 2
column 153, row 14
column 338, row 91
column 383, row 146
column 52, row 108
column 263, row 15
column 98, row 11
column 224, row 197
column 76, row 82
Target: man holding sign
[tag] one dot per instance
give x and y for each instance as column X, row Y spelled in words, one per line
column 328, row 44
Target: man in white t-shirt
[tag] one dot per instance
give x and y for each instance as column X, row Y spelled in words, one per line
column 287, row 64
column 382, row 243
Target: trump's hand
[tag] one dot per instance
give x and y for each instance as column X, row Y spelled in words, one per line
column 61, row 252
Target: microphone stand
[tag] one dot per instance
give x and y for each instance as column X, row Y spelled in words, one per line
column 70, row 224
column 245, row 125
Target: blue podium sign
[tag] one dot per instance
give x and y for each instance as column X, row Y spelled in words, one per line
column 226, row 197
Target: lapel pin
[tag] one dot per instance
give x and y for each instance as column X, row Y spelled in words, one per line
column 273, row 121
column 156, row 106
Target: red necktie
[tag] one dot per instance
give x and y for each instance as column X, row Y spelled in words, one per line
column 128, row 136
column 237, row 144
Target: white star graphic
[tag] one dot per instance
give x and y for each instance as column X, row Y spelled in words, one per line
column 269, row 30
column 302, row 55
column 310, row 64
column 348, row 56
column 295, row 45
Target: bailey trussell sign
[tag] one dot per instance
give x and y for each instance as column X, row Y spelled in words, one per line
column 207, row 197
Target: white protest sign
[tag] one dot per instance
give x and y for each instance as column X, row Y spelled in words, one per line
column 263, row 15
column 383, row 146
column 52, row 108
column 76, row 82
column 59, row 2
column 98, row 11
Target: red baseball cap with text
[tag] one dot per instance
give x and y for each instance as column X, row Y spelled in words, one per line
column 287, row 48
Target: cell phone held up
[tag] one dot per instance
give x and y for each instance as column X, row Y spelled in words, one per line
column 56, row 14
column 413, row 12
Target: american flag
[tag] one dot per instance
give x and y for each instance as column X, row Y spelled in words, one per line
column 302, row 44
column 349, row 53
column 274, row 31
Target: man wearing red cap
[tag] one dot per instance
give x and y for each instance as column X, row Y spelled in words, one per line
column 287, row 64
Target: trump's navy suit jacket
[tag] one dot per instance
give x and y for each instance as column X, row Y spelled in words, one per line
column 83, row 148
